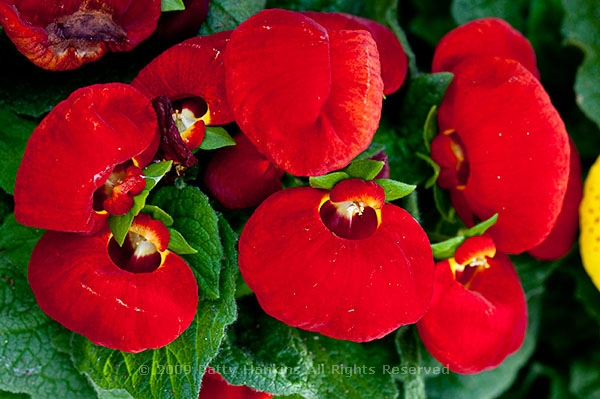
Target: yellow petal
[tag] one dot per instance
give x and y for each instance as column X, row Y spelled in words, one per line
column 589, row 212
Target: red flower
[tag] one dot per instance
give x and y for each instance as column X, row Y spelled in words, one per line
column 394, row 63
column 192, row 76
column 63, row 35
column 85, row 159
column 214, row 386
column 503, row 148
column 309, row 98
column 241, row 177
column 488, row 37
column 341, row 263
column 478, row 312
column 131, row 298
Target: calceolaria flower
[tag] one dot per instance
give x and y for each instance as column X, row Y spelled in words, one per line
column 65, row 34
column 215, row 386
column 503, row 149
column 478, row 312
column 84, row 160
column 133, row 297
column 589, row 213
column 308, row 97
column 343, row 263
column 190, row 79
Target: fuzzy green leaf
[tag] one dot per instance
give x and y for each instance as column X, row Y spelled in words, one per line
column 215, row 138
column 29, row 362
column 14, row 133
column 195, row 219
column 409, row 349
column 176, row 370
column 228, row 14
column 267, row 355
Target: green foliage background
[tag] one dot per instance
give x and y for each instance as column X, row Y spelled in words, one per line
column 559, row 359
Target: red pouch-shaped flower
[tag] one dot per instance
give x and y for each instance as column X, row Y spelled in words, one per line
column 241, row 177
column 478, row 312
column 65, row 34
column 342, row 263
column 490, row 37
column 308, row 98
column 85, row 158
column 192, row 76
column 503, row 148
column 131, row 298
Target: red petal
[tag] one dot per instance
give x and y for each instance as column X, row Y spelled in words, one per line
column 240, row 177
column 564, row 233
column 471, row 330
column 74, row 150
column 517, row 149
column 214, row 386
column 193, row 68
column 76, row 283
column 475, row 247
column 184, row 24
column 64, row 35
column 489, row 37
column 394, row 63
column 310, row 100
column 305, row 276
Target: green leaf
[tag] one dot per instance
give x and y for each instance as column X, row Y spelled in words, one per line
column 17, row 242
column 216, row 137
column 172, row 5
column 14, row 133
column 228, row 14
column 29, row 362
column 436, row 169
column 327, row 181
column 394, row 189
column 195, row 219
column 446, row 249
column 119, row 225
column 403, row 138
column 268, row 355
column 179, row 245
column 431, row 20
column 365, row 169
column 581, row 28
column 176, row 370
column 467, row 10
column 349, row 6
column 407, row 345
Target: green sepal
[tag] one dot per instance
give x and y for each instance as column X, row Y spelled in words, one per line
column 445, row 249
column 430, row 129
column 172, row 5
column 365, row 169
column 215, row 138
column 179, row 245
column 327, row 181
column 119, row 225
column 158, row 214
column 394, row 189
